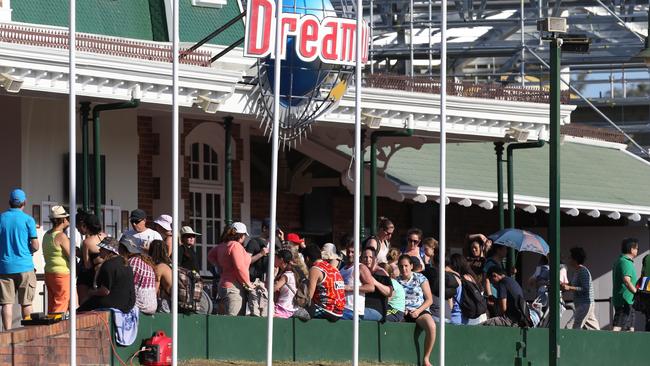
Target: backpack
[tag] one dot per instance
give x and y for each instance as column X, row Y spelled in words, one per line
column 472, row 303
column 190, row 289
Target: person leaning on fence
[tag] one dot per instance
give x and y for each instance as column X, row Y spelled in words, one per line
column 163, row 270
column 366, row 285
column 583, row 299
column 418, row 300
column 233, row 262
column 56, row 252
column 326, row 288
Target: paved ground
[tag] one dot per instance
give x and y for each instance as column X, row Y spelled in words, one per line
column 245, row 363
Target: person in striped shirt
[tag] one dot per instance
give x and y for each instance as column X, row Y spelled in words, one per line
column 583, row 299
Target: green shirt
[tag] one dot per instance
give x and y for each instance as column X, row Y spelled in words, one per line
column 624, row 266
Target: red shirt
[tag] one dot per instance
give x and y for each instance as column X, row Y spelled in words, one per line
column 233, row 261
column 330, row 293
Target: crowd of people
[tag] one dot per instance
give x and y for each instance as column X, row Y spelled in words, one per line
column 310, row 280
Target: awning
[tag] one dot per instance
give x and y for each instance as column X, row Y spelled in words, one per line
column 597, row 178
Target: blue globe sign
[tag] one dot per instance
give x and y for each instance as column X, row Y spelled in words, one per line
column 318, row 55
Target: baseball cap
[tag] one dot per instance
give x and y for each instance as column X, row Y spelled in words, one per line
column 187, row 230
column 131, row 244
column 295, row 238
column 137, row 215
column 58, row 212
column 165, row 221
column 17, row 196
column 109, row 243
column 240, row 228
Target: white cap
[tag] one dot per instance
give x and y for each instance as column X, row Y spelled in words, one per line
column 240, row 228
column 165, row 221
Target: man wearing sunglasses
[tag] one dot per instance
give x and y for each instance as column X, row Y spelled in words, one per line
column 143, row 235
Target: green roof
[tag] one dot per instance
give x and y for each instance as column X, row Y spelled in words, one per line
column 138, row 19
column 588, row 173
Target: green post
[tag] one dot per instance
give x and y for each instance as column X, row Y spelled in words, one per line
column 498, row 147
column 227, row 123
column 85, row 113
column 373, row 183
column 554, row 197
column 133, row 103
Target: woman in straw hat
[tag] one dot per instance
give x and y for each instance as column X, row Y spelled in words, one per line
column 56, row 250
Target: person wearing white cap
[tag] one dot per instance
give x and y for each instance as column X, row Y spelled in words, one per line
column 140, row 231
column 233, row 262
column 56, row 250
column 163, row 225
column 186, row 253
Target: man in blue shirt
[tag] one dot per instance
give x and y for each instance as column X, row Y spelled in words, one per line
column 18, row 240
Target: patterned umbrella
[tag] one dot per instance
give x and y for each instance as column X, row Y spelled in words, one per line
column 522, row 240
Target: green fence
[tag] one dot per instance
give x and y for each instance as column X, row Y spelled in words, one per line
column 244, row 338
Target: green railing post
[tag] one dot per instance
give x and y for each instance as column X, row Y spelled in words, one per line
column 85, row 113
column 227, row 123
column 498, row 147
column 554, row 197
column 133, row 103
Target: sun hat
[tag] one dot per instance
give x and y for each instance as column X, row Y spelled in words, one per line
column 329, row 252
column 58, row 212
column 240, row 228
column 110, row 243
column 17, row 196
column 187, row 230
column 131, row 244
column 165, row 221
column 295, row 238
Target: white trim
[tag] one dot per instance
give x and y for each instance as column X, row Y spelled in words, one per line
column 210, row 3
column 594, row 142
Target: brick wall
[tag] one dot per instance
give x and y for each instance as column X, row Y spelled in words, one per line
column 49, row 344
column 145, row 163
column 288, row 209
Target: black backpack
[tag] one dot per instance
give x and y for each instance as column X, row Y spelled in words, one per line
column 472, row 303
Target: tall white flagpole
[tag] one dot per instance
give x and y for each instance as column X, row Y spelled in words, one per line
column 357, row 180
column 443, row 175
column 175, row 177
column 275, row 133
column 72, row 185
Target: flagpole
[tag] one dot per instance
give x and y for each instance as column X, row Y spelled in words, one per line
column 72, row 178
column 357, row 180
column 443, row 175
column 175, row 177
column 274, row 181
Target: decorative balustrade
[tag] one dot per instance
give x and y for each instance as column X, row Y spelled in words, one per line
column 143, row 50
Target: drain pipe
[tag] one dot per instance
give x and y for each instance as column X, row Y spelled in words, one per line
column 133, row 103
column 227, row 124
column 511, row 192
column 374, row 137
column 85, row 113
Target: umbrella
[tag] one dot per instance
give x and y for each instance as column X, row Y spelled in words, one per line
column 522, row 240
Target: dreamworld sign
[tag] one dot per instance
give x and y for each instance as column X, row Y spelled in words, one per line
column 313, row 33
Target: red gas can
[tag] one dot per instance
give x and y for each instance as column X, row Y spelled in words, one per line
column 158, row 350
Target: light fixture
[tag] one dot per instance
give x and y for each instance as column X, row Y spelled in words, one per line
column 136, row 92
column 208, row 105
column 594, row 213
column 634, row 217
column 420, row 198
column 465, row 202
column 572, row 212
column 518, row 134
column 530, row 209
column 447, row 200
column 11, row 83
column 615, row 215
column 373, row 122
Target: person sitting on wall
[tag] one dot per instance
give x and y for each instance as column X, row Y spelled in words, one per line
column 285, row 285
column 233, row 262
column 326, row 287
column 413, row 247
column 141, row 232
column 377, row 300
column 144, row 275
column 381, row 240
column 329, row 254
column 366, row 284
column 397, row 301
column 115, row 287
column 512, row 306
column 163, row 270
column 186, row 250
column 89, row 226
column 418, row 300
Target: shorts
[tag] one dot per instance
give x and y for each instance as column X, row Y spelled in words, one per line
column 395, row 316
column 23, row 283
column 409, row 319
column 624, row 317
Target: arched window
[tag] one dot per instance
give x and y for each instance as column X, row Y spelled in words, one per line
column 204, row 163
